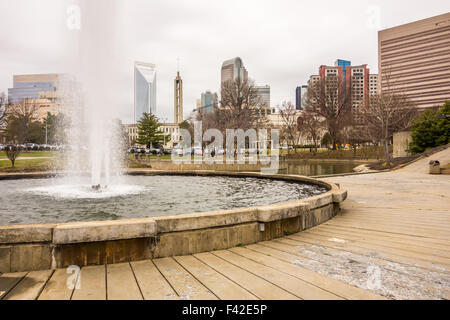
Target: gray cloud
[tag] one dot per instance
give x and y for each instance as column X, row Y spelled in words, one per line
column 280, row 42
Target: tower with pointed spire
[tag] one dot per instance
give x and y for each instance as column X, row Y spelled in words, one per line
column 178, row 105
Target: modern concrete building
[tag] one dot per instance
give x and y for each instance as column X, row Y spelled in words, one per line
column 144, row 89
column 45, row 93
column 233, row 69
column 263, row 94
column 33, row 87
column 178, row 95
column 414, row 59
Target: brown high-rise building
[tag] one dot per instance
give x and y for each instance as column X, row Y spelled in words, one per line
column 415, row 59
column 178, row 104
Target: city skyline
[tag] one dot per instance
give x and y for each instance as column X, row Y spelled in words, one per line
column 278, row 57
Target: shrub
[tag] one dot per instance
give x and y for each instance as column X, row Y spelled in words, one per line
column 431, row 130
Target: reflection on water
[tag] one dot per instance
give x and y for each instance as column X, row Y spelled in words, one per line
column 319, row 168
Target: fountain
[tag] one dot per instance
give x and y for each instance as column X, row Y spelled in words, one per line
column 95, row 146
column 93, row 186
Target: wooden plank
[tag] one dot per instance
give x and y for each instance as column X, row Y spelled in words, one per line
column 8, row 281
column 58, row 288
column 387, row 242
column 281, row 248
column 424, row 258
column 398, row 222
column 221, row 286
column 296, row 286
column 269, row 257
column 360, row 251
column 30, row 287
column 152, row 283
column 92, row 284
column 428, row 238
column 394, row 229
column 386, row 236
column 187, row 287
column 256, row 285
column 121, row 283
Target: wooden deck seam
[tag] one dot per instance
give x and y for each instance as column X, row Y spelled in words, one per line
column 167, row 280
column 193, row 276
column 15, row 285
column 334, row 293
column 227, row 277
column 43, row 287
column 257, row 275
column 137, row 282
column 255, row 294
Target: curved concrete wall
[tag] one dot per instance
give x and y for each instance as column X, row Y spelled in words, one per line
column 40, row 247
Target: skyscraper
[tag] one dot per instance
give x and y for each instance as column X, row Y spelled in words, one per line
column 263, row 93
column 300, row 97
column 344, row 64
column 144, row 89
column 233, row 70
column 355, row 85
column 208, row 101
column 178, row 105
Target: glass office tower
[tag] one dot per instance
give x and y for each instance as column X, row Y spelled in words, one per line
column 144, row 89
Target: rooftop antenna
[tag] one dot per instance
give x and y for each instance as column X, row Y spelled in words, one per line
column 178, row 65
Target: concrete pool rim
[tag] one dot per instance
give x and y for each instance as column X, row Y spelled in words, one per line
column 51, row 246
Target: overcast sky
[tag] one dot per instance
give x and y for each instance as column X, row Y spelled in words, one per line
column 281, row 42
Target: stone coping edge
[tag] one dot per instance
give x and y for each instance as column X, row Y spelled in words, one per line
column 99, row 231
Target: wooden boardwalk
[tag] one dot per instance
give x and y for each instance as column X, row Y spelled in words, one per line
column 392, row 240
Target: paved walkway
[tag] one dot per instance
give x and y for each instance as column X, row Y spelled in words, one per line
column 392, row 240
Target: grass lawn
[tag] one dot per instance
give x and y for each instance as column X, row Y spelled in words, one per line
column 31, row 154
column 27, row 165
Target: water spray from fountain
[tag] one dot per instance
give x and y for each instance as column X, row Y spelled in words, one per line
column 94, row 144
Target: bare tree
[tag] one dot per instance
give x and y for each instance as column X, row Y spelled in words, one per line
column 328, row 98
column 354, row 132
column 312, row 125
column 12, row 152
column 22, row 126
column 386, row 113
column 290, row 130
column 239, row 106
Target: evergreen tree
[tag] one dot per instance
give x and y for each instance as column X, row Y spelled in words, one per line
column 149, row 133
